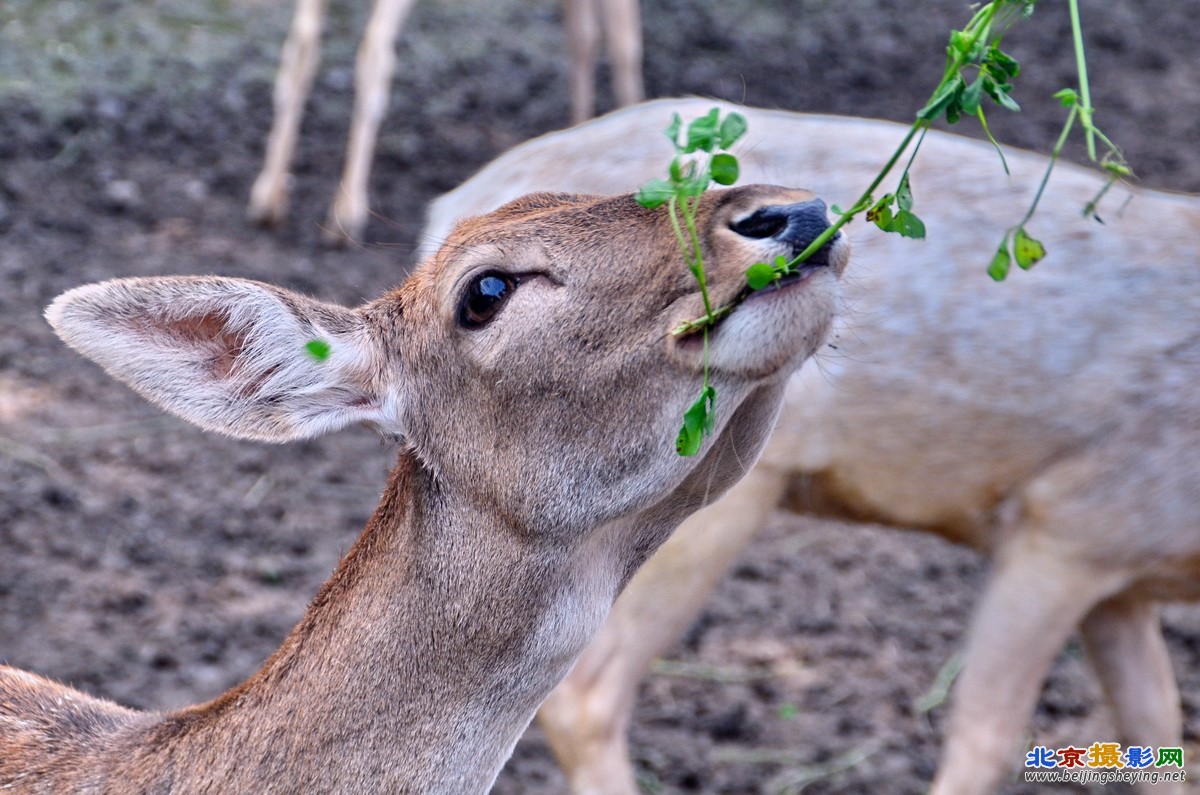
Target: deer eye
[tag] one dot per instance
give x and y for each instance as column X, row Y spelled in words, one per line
column 484, row 298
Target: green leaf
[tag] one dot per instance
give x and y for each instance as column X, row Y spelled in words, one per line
column 904, row 197
column 1068, row 97
column 882, row 218
column 1027, row 250
column 880, row 213
column 698, row 421
column 733, row 128
column 1119, row 170
column 959, row 42
column 971, row 96
column 907, row 224
column 318, row 349
column 673, row 128
column 941, row 100
column 675, row 170
column 724, row 169
column 759, row 275
column 1001, row 262
column 654, row 193
column 702, row 132
column 1003, row 62
column 998, row 93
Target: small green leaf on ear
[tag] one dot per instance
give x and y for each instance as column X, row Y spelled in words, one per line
column 318, row 349
column 759, row 275
column 724, row 169
column 1027, row 250
column 654, row 193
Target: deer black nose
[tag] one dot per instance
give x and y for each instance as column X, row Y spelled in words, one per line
column 798, row 224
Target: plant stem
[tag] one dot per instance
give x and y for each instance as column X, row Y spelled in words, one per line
column 689, row 218
column 696, row 263
column 864, row 201
column 1085, row 98
column 1054, row 153
column 979, row 26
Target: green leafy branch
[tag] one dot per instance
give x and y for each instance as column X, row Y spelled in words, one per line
column 976, row 69
column 687, row 179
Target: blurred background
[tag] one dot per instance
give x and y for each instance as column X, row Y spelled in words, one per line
column 148, row 563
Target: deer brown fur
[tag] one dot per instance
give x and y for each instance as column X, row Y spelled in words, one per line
column 536, row 472
column 1052, row 422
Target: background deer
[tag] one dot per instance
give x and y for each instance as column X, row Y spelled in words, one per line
column 1050, row 422
column 537, row 399
column 376, row 61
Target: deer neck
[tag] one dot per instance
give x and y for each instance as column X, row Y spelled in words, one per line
column 418, row 664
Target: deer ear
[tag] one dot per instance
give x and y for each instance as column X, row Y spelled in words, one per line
column 232, row 356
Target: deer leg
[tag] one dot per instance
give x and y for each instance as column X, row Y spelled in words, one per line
column 1125, row 644
column 623, row 31
column 583, row 40
column 587, row 716
column 373, row 69
column 297, row 67
column 1037, row 596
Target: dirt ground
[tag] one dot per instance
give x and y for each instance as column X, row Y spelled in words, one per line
column 149, row 563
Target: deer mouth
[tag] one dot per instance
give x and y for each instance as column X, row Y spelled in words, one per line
column 690, row 333
column 802, row 273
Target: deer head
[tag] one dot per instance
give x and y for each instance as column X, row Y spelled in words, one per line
column 530, row 372
column 529, row 364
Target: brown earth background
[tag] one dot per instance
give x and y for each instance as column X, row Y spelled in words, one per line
column 149, row 563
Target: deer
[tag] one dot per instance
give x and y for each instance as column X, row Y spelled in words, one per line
column 375, row 63
column 528, row 372
column 1050, row 422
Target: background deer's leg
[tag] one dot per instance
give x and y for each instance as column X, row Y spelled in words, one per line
column 373, row 70
column 1037, row 596
column 623, row 32
column 297, row 67
column 580, row 17
column 1125, row 644
column 586, row 718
